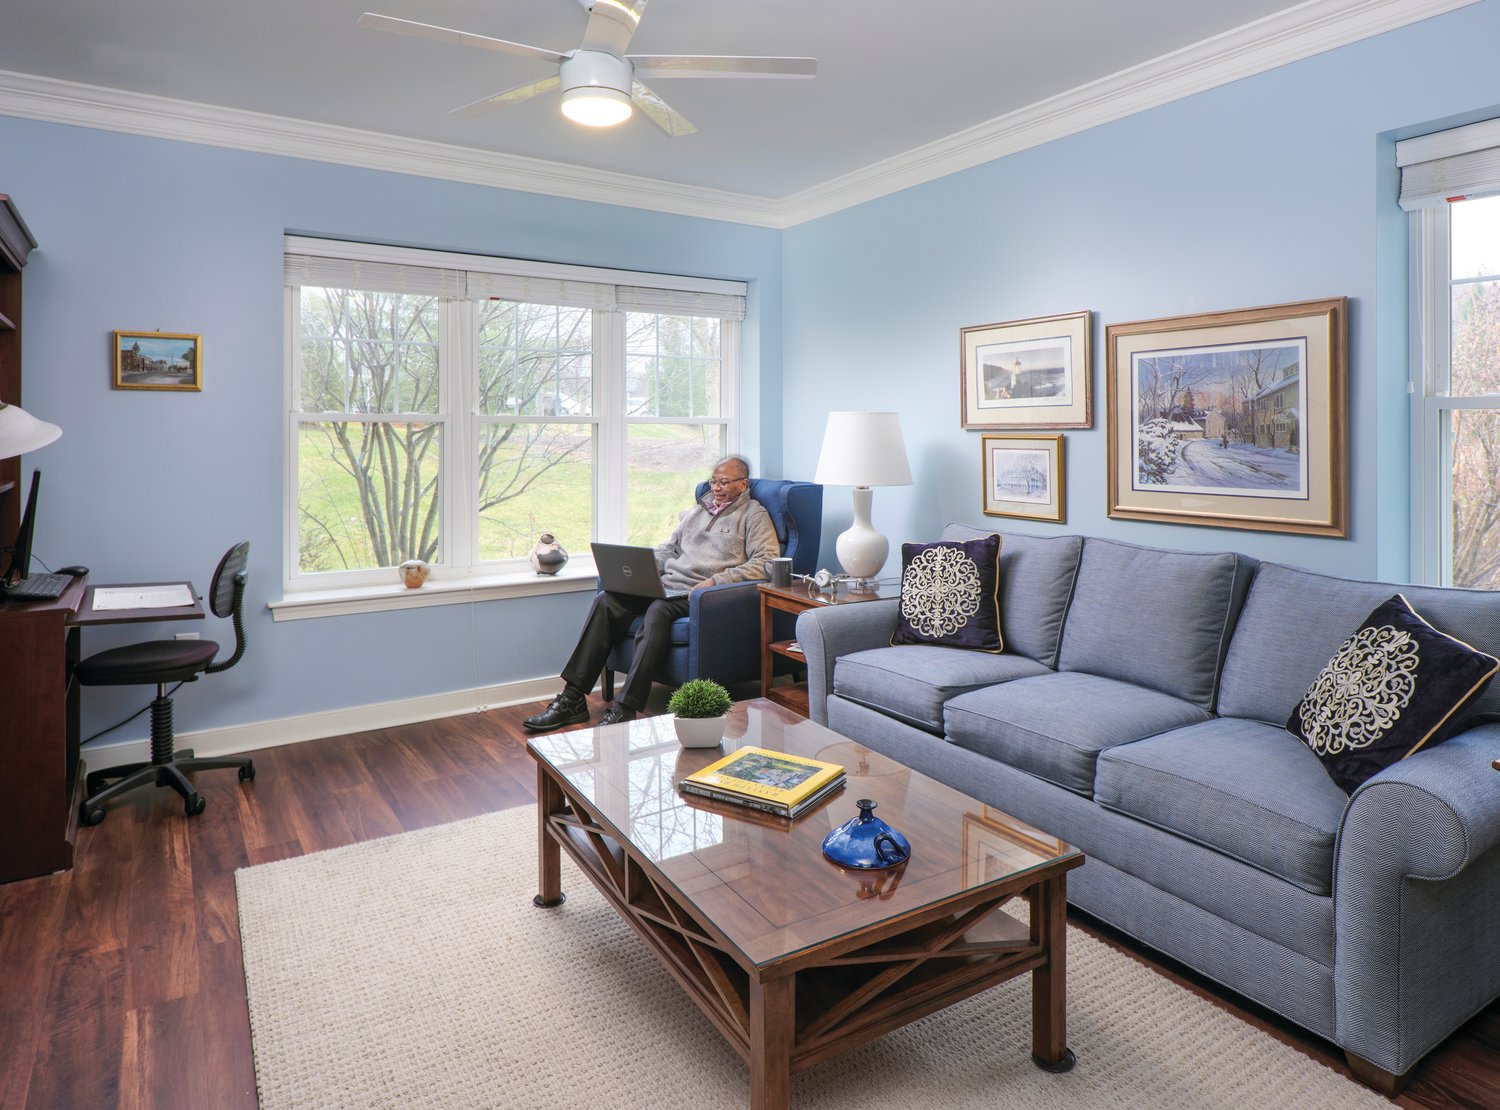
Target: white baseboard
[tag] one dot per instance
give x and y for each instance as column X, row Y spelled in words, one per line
column 236, row 739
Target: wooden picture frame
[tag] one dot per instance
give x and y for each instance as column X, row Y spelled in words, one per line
column 1034, row 373
column 158, row 360
column 1023, row 477
column 1232, row 419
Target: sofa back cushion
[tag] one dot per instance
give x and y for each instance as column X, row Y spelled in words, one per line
column 1294, row 620
column 1160, row 619
column 1036, row 579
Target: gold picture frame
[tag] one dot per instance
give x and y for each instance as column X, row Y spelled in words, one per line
column 1023, row 477
column 1232, row 419
column 1035, row 373
column 158, row 360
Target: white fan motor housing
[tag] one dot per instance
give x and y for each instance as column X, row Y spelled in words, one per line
column 595, row 69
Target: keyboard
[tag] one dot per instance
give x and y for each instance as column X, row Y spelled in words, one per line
column 38, row 587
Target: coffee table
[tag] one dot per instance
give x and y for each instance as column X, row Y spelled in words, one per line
column 791, row 957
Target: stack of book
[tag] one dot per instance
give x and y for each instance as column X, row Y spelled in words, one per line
column 774, row 782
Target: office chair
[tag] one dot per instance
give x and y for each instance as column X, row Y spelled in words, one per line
column 161, row 662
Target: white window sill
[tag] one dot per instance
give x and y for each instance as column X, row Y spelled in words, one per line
column 305, row 605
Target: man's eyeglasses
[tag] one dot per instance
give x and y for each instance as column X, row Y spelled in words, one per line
column 725, row 481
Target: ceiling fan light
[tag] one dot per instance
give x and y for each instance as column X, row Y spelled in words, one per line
column 596, row 107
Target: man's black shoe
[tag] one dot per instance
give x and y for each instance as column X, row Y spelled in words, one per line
column 568, row 708
column 617, row 714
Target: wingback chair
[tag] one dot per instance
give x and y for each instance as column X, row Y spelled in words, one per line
column 720, row 636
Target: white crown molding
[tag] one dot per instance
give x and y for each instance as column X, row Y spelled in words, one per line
column 1278, row 39
column 44, row 98
column 1288, row 36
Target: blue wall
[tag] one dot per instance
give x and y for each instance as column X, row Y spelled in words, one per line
column 142, row 234
column 1273, row 189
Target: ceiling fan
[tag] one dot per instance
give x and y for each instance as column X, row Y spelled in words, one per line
column 600, row 82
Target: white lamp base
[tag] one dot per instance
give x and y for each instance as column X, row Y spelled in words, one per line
column 862, row 550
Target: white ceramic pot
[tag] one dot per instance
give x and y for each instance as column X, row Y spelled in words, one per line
column 699, row 732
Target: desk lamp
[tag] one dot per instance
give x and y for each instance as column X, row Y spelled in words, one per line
column 21, row 432
column 863, row 449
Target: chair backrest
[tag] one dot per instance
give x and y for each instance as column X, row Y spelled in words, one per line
column 796, row 510
column 226, row 598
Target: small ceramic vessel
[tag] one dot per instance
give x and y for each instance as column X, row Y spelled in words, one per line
column 866, row 841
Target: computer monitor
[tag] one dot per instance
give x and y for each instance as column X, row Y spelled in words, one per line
column 20, row 554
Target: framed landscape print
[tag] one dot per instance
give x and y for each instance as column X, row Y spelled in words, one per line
column 1023, row 477
column 1231, row 419
column 1027, row 373
column 158, row 360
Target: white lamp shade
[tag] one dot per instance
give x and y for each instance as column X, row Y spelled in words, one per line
column 21, row 432
column 863, row 449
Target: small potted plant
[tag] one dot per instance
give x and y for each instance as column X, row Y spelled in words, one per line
column 698, row 707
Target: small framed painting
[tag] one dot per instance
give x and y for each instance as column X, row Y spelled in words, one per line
column 1023, row 477
column 1231, row 419
column 1027, row 373
column 158, row 360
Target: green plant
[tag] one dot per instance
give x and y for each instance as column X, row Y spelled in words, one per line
column 700, row 697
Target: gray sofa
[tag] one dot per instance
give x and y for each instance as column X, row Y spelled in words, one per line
column 1138, row 712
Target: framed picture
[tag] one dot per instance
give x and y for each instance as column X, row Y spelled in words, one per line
column 158, row 360
column 1027, row 373
column 1023, row 477
column 1231, row 419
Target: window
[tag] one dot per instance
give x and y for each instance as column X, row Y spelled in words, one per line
column 452, row 408
column 1453, row 190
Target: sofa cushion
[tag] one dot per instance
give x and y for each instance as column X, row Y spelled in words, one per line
column 1036, row 580
column 1392, row 686
column 1293, row 621
column 1159, row 619
column 913, row 683
column 950, row 594
column 1250, row 790
column 1054, row 726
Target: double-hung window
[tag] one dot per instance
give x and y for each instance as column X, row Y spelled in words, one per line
column 1450, row 182
column 453, row 408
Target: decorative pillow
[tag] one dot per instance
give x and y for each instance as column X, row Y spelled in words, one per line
column 950, row 594
column 1392, row 687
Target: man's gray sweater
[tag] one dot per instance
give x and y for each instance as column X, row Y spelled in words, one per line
column 730, row 547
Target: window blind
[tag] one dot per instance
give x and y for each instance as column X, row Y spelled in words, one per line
column 374, row 277
column 1461, row 163
column 679, row 302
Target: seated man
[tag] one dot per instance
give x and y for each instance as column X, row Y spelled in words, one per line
column 726, row 538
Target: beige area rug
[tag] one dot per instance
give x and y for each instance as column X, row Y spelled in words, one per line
column 414, row 971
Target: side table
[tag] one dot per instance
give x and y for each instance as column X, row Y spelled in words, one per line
column 797, row 598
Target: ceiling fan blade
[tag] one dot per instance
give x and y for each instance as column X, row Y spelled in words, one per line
column 612, row 24
column 374, row 22
column 508, row 97
column 686, row 65
column 659, row 112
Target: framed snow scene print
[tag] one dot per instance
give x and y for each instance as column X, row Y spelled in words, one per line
column 1023, row 477
column 1231, row 419
column 1027, row 373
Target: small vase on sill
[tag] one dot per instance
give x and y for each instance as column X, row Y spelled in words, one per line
column 413, row 573
column 548, row 556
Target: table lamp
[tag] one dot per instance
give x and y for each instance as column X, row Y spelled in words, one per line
column 21, row 432
column 863, row 449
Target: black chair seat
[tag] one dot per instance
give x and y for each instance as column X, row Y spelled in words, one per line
column 148, row 662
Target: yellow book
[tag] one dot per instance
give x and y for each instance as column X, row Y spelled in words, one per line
column 756, row 773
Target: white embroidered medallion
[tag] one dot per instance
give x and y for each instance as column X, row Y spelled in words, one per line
column 1361, row 693
column 940, row 591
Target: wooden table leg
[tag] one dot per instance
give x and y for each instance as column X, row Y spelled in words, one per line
column 1049, row 983
column 549, row 800
column 773, row 1017
column 766, row 660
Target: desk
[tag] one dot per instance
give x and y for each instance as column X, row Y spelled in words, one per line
column 41, row 774
column 798, row 599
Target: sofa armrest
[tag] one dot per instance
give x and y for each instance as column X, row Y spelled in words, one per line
column 825, row 634
column 724, row 632
column 1416, row 880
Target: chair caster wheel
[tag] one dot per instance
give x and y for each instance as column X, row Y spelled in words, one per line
column 91, row 815
column 194, row 805
column 247, row 772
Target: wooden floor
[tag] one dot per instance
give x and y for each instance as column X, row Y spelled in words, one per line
column 121, row 982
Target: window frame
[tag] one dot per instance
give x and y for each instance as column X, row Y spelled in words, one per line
column 461, row 573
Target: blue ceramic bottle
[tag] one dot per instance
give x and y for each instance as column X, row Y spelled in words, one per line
column 866, row 841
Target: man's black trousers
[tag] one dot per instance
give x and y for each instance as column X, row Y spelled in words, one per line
column 608, row 621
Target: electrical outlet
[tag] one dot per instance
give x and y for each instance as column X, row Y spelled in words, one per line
column 186, row 636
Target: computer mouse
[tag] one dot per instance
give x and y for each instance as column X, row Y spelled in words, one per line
column 73, row 572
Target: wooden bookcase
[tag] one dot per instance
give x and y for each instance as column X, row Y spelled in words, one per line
column 16, row 243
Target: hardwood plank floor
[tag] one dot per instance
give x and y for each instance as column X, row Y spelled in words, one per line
column 121, row 982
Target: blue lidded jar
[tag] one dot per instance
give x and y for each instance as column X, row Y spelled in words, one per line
column 866, row 841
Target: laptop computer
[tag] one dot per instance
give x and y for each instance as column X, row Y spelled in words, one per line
column 630, row 570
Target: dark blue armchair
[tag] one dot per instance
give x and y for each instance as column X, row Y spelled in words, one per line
column 720, row 636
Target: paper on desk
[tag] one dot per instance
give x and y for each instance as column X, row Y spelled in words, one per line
column 142, row 597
